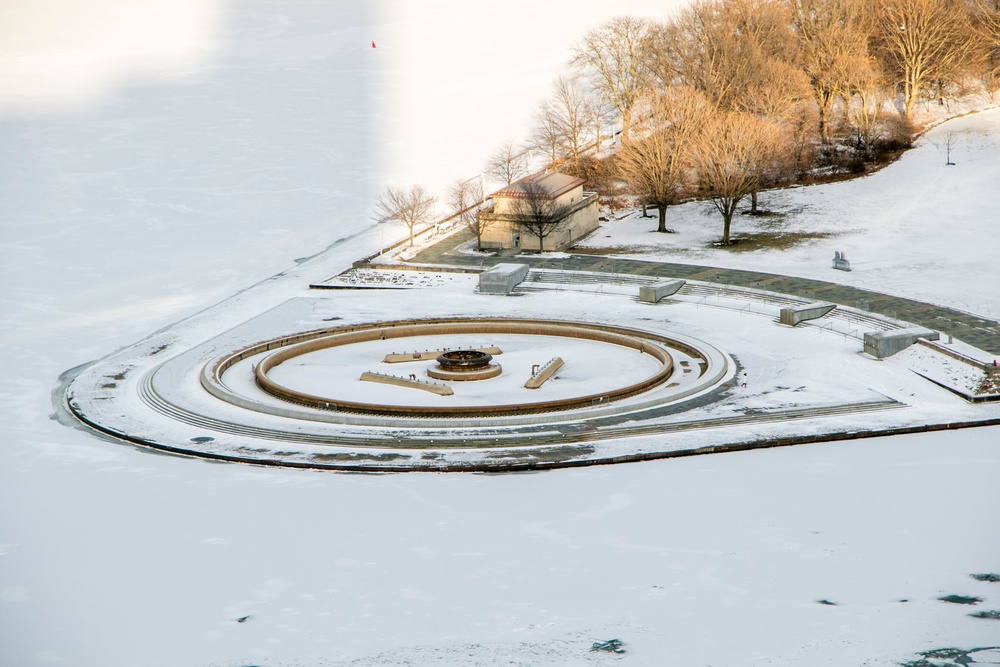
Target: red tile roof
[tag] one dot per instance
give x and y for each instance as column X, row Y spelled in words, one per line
column 554, row 184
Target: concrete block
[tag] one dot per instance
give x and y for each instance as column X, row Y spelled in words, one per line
column 840, row 261
column 542, row 375
column 502, row 278
column 656, row 291
column 882, row 344
column 792, row 315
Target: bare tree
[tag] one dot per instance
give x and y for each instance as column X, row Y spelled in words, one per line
column 986, row 16
column 569, row 111
column 465, row 197
column 779, row 92
column 923, row 43
column 730, row 154
column 658, row 161
column 413, row 207
column 612, row 57
column 546, row 135
column 538, row 213
column 721, row 47
column 866, row 106
column 507, row 163
column 831, row 37
column 775, row 163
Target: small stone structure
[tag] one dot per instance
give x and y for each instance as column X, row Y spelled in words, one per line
column 792, row 315
column 502, row 278
column 882, row 344
column 656, row 291
column 539, row 376
column 840, row 261
column 423, row 385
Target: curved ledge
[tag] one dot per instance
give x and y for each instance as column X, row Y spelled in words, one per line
column 642, row 341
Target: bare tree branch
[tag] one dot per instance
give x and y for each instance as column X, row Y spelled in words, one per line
column 413, row 207
column 465, row 198
column 612, row 57
column 657, row 164
column 507, row 163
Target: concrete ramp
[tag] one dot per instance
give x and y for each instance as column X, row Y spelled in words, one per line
column 502, row 278
column 656, row 291
column 882, row 344
column 792, row 315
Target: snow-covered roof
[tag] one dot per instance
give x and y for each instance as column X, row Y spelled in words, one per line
column 554, row 184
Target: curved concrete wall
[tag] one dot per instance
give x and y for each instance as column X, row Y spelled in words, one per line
column 633, row 339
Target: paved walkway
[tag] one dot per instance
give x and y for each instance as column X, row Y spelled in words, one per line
column 972, row 329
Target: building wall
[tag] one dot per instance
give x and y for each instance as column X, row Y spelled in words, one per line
column 503, row 233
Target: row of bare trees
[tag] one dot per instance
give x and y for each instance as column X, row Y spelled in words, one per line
column 729, row 97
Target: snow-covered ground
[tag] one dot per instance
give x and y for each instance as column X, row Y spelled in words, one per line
column 918, row 229
column 160, row 159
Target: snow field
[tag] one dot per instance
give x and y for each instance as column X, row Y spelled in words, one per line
column 220, row 143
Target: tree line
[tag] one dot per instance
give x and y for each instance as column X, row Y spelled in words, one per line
column 729, row 97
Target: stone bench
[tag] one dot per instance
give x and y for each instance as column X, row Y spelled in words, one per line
column 502, row 278
column 882, row 344
column 423, row 385
column 656, row 291
column 792, row 315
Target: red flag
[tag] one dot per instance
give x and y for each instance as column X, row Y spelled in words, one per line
column 373, row 44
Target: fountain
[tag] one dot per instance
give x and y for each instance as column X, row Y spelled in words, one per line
column 463, row 365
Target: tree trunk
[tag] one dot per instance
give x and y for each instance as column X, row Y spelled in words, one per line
column 826, row 101
column 662, row 211
column 753, row 203
column 727, row 219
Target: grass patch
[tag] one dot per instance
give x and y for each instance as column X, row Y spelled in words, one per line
column 772, row 241
column 611, row 250
column 960, row 599
column 992, row 614
column 947, row 656
column 991, row 577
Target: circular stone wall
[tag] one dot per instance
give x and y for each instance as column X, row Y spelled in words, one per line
column 705, row 364
column 630, row 338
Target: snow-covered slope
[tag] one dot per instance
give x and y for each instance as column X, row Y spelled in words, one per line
column 919, row 228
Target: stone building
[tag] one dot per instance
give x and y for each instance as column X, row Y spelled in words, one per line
column 553, row 205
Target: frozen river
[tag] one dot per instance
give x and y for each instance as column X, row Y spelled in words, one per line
column 161, row 158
